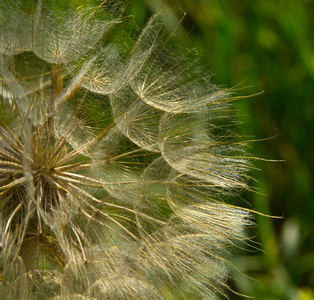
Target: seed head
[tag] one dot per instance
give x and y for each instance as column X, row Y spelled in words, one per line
column 115, row 155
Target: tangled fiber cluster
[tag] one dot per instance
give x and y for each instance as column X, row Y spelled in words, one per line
column 115, row 154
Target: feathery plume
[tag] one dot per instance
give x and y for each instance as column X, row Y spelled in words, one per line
column 115, row 153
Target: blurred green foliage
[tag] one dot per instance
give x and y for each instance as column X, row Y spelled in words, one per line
column 263, row 47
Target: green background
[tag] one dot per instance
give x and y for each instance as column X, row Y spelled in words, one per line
column 265, row 48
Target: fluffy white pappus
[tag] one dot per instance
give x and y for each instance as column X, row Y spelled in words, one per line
column 118, row 159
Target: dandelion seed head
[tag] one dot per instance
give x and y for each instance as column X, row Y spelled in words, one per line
column 115, row 155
